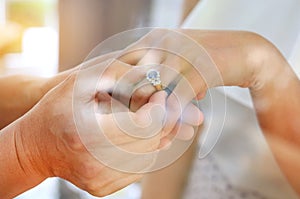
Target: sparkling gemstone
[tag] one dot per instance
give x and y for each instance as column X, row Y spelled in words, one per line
column 153, row 74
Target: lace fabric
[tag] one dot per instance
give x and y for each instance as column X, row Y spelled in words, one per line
column 208, row 182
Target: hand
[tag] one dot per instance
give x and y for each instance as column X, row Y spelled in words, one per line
column 243, row 59
column 61, row 151
column 192, row 61
column 176, row 71
column 51, row 145
column 128, row 78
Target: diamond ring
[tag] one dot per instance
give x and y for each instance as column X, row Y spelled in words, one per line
column 154, row 78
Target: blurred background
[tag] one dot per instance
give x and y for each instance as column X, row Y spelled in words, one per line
column 42, row 37
column 29, row 37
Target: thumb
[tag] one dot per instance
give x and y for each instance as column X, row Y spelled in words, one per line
column 151, row 116
column 155, row 108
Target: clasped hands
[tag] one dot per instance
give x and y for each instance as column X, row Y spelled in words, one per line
column 81, row 124
column 79, row 120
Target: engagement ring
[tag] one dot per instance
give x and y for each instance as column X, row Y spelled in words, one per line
column 154, row 78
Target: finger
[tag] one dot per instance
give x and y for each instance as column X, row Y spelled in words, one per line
column 141, row 96
column 181, row 131
column 183, row 93
column 156, row 55
column 141, row 90
column 192, row 115
column 127, row 127
column 107, row 104
column 160, row 45
column 200, row 95
column 142, row 93
column 128, row 82
column 165, row 143
column 136, row 51
column 103, row 100
column 101, row 76
column 184, row 129
column 149, row 119
column 170, row 73
column 167, row 139
column 142, row 146
column 111, row 76
column 166, row 52
column 120, row 129
column 185, row 132
column 152, row 57
column 157, row 100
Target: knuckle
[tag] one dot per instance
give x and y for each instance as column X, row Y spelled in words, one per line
column 151, row 144
column 104, row 191
column 89, row 170
column 141, row 94
column 73, row 141
column 94, row 189
column 118, row 184
column 93, row 184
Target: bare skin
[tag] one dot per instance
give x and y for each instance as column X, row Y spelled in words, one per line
column 44, row 142
column 19, row 93
column 243, row 59
column 40, row 147
column 247, row 60
column 187, row 7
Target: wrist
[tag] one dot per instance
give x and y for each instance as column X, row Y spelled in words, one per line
column 263, row 63
column 238, row 55
column 18, row 170
column 30, row 139
column 42, row 143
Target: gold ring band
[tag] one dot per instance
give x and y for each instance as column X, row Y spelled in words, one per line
column 158, row 87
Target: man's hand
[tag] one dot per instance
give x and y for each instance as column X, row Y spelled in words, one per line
column 59, row 136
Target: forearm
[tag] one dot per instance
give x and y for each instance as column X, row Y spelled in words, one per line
column 16, row 172
column 277, row 99
column 19, row 93
column 277, row 104
column 248, row 60
column 236, row 54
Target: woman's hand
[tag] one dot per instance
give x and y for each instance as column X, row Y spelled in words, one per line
column 242, row 59
column 191, row 61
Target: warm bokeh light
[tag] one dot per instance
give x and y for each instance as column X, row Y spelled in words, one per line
column 40, row 48
column 29, row 37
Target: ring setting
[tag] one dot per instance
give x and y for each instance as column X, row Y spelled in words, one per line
column 153, row 77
